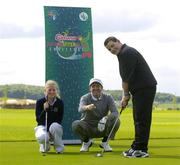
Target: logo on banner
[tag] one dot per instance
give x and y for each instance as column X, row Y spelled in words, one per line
column 71, row 47
column 53, row 14
column 83, row 16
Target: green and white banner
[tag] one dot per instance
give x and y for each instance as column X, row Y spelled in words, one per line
column 69, row 58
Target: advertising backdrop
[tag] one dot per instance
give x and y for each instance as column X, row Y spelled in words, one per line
column 69, row 58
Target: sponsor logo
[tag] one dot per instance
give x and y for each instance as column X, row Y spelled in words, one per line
column 83, row 16
column 71, row 47
column 52, row 14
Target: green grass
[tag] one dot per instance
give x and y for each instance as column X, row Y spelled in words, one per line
column 18, row 145
column 17, row 125
column 168, row 106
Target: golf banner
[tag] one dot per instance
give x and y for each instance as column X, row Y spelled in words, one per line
column 69, row 58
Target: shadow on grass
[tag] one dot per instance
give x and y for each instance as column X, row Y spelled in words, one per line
column 114, row 153
column 90, row 153
column 164, row 146
column 165, row 156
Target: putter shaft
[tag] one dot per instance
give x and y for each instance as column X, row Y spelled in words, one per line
column 102, row 151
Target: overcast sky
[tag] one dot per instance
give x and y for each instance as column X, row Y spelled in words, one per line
column 152, row 27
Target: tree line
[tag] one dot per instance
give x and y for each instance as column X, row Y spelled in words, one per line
column 22, row 91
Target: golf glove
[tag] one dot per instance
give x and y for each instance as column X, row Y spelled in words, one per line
column 102, row 123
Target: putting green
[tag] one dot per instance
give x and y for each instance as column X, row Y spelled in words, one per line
column 18, row 145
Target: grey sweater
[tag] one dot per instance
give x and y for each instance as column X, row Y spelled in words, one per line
column 104, row 106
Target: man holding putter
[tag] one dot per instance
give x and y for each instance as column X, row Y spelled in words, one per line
column 138, row 82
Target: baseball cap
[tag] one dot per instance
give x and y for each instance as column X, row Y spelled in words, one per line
column 95, row 80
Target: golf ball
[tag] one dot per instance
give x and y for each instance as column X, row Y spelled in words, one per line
column 99, row 155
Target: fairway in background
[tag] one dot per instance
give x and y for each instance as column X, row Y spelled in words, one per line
column 18, row 125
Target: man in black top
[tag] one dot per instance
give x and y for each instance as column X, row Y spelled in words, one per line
column 138, row 82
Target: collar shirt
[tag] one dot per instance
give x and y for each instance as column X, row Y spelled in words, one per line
column 134, row 70
column 104, row 106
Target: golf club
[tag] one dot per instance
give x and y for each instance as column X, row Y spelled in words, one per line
column 102, row 151
column 45, row 141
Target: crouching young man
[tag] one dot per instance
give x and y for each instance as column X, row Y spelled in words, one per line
column 99, row 115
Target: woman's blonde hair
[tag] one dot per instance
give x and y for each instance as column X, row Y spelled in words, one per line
column 52, row 83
